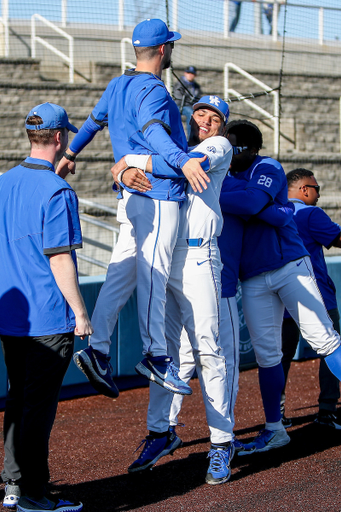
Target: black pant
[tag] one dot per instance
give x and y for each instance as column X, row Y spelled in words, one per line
column 36, row 367
column 329, row 384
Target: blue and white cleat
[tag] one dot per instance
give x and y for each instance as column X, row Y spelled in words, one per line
column 12, row 494
column 238, row 445
column 219, row 470
column 265, row 441
column 155, row 448
column 96, row 366
column 28, row 504
column 163, row 372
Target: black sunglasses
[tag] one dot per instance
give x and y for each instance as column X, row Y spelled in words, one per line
column 316, row 187
column 171, row 44
column 238, row 149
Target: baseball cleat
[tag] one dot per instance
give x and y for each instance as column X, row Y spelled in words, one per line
column 265, row 441
column 27, row 504
column 219, row 470
column 163, row 372
column 286, row 422
column 12, row 494
column 327, row 419
column 154, row 448
column 238, row 445
column 96, row 366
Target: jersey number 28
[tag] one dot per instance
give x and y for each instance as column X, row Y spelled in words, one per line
column 263, row 180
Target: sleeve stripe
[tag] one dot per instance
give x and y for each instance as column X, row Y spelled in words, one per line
column 100, row 123
column 152, row 121
column 60, row 250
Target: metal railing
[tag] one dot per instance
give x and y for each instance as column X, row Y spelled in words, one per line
column 128, row 65
column 275, row 94
column 99, row 224
column 36, row 39
column 5, row 28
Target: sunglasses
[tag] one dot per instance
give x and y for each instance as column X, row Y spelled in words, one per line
column 316, row 187
column 171, row 43
column 238, row 149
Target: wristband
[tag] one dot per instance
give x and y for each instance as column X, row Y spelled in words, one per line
column 139, row 161
column 120, row 174
column 72, row 158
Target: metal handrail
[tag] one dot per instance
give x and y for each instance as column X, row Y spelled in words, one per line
column 100, row 224
column 274, row 117
column 34, row 38
column 99, row 206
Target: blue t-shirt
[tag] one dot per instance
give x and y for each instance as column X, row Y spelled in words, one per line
column 265, row 247
column 134, row 106
column 38, row 217
column 317, row 230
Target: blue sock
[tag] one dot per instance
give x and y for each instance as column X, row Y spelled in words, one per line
column 333, row 362
column 271, row 383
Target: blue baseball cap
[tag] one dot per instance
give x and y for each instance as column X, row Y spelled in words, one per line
column 53, row 116
column 214, row 103
column 191, row 69
column 152, row 33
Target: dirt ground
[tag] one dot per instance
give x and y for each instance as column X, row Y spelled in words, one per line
column 93, row 440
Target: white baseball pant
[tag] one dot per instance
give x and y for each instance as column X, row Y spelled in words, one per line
column 229, row 342
column 193, row 295
column 141, row 258
column 294, row 287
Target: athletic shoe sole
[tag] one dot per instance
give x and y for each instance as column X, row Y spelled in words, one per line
column 84, row 363
column 145, row 372
column 62, row 508
column 216, row 481
column 167, row 451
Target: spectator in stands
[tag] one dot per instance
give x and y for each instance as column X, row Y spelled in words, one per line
column 268, row 10
column 234, row 15
column 41, row 307
column 187, row 92
column 317, row 230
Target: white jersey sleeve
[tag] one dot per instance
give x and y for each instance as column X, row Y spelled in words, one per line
column 217, row 149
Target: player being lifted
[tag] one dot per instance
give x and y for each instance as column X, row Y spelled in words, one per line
column 193, row 299
column 142, row 119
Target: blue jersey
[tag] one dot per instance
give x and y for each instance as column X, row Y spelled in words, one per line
column 38, row 218
column 317, row 230
column 230, row 244
column 265, row 247
column 135, row 106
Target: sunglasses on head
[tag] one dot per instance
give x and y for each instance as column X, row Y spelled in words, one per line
column 238, row 149
column 316, row 187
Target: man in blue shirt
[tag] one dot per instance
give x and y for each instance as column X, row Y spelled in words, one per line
column 143, row 120
column 317, row 230
column 41, row 307
column 276, row 272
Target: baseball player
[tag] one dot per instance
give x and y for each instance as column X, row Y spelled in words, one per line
column 277, row 273
column 317, row 230
column 142, row 119
column 193, row 296
column 233, row 229
column 41, row 308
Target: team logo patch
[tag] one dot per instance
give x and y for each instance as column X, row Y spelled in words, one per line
column 211, row 149
column 214, row 100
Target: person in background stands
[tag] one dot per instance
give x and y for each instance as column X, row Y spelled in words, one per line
column 186, row 93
